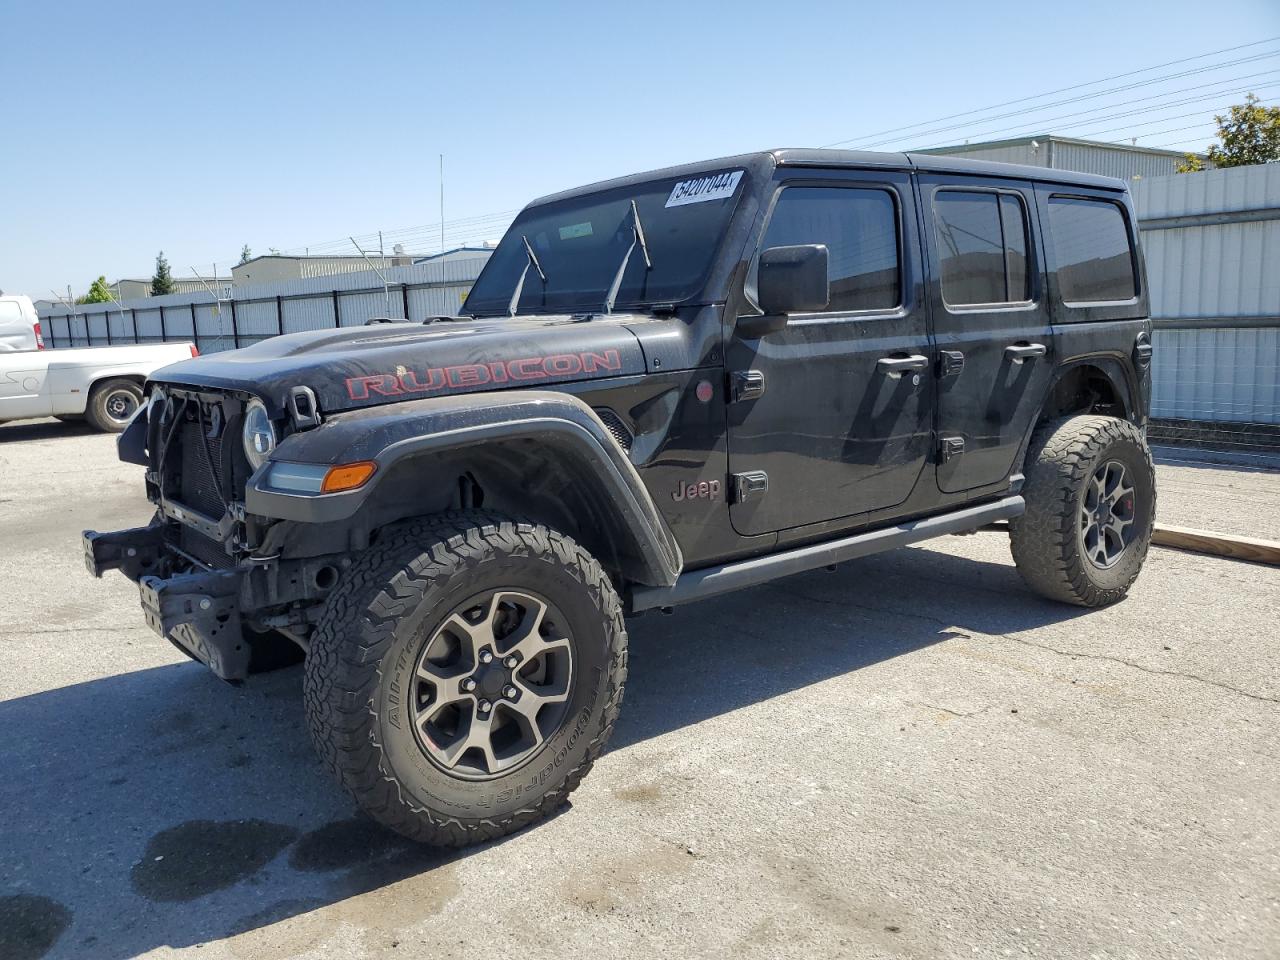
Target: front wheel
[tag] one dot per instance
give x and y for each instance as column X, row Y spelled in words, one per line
column 465, row 675
column 1091, row 504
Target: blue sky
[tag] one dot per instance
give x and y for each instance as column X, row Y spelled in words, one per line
column 195, row 129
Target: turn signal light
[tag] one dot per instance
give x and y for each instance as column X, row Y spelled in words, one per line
column 347, row 476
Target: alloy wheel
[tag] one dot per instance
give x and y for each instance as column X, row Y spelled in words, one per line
column 492, row 683
column 1107, row 512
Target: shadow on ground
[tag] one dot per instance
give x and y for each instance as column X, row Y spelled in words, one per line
column 19, row 430
column 162, row 807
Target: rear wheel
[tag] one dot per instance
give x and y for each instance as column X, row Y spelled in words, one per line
column 465, row 675
column 1091, row 503
column 112, row 403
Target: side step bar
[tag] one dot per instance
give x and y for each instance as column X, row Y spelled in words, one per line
column 710, row 581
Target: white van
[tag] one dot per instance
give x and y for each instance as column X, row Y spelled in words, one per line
column 19, row 325
column 103, row 385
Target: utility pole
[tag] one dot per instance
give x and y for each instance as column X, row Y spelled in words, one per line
column 442, row 203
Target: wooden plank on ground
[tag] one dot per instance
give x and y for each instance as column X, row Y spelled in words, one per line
column 1219, row 544
column 1227, row 545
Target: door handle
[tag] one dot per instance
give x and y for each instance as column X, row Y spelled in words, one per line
column 1018, row 352
column 897, row 366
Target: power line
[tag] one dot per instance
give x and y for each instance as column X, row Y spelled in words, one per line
column 1153, row 96
column 1040, row 126
column 1050, row 93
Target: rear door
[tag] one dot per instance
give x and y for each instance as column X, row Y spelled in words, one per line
column 832, row 415
column 991, row 323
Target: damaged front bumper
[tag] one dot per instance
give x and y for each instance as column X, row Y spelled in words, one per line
column 198, row 612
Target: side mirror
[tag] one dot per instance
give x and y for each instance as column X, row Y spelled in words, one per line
column 790, row 280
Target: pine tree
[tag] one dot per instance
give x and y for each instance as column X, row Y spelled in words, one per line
column 245, row 254
column 162, row 282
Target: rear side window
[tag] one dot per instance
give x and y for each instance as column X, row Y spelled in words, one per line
column 10, row 312
column 982, row 243
column 860, row 230
column 1092, row 249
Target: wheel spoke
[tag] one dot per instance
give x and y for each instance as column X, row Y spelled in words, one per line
column 447, row 685
column 479, row 736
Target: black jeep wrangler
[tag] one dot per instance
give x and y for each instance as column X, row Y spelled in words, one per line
column 662, row 388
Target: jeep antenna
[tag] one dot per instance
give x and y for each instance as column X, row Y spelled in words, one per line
column 386, row 291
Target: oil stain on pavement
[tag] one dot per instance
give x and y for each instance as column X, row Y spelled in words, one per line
column 200, row 856
column 30, row 925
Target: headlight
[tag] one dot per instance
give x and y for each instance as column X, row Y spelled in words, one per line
column 259, row 434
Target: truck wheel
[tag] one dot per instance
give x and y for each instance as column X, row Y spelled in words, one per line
column 1091, row 505
column 112, row 403
column 465, row 674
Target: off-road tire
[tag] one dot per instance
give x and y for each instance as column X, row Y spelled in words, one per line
column 1045, row 540
column 101, row 401
column 378, row 619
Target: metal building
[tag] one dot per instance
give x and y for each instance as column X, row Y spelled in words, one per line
column 1125, row 161
column 1211, row 241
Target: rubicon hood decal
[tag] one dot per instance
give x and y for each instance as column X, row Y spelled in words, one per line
column 365, row 366
column 556, row 366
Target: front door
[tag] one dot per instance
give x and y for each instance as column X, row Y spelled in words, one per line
column 991, row 324
column 831, row 416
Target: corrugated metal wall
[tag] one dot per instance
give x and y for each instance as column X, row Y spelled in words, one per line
column 1105, row 159
column 1212, row 246
column 267, row 309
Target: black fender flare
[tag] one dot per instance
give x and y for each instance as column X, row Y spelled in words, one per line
column 391, row 434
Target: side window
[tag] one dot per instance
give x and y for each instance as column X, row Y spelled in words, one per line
column 860, row 229
column 982, row 243
column 10, row 312
column 1092, row 249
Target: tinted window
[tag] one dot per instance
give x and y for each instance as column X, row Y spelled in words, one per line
column 982, row 242
column 1091, row 245
column 860, row 230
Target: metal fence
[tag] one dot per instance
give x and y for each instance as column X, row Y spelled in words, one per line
column 267, row 310
column 1212, row 246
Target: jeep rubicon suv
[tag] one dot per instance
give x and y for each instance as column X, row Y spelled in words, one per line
column 663, row 387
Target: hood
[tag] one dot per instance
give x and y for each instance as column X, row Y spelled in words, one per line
column 362, row 366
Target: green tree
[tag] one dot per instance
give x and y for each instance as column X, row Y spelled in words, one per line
column 1251, row 134
column 99, row 292
column 245, row 254
column 162, row 282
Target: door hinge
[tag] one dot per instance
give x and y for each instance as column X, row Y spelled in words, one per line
column 749, row 484
column 949, row 448
column 950, row 363
column 746, row 385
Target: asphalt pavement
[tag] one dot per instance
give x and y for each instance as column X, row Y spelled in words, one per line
column 911, row 757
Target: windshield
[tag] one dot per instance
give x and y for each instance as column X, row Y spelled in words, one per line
column 580, row 244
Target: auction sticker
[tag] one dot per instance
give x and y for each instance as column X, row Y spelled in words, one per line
column 715, row 186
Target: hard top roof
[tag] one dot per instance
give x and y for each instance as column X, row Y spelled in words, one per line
column 862, row 159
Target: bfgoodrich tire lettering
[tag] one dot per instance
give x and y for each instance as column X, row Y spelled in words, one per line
column 361, row 668
column 1066, row 459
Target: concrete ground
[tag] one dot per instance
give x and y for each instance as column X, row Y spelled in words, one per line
column 910, row 757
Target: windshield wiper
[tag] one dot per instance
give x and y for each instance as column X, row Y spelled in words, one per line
column 531, row 261
column 637, row 237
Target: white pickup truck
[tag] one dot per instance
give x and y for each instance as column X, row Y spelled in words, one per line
column 102, row 385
